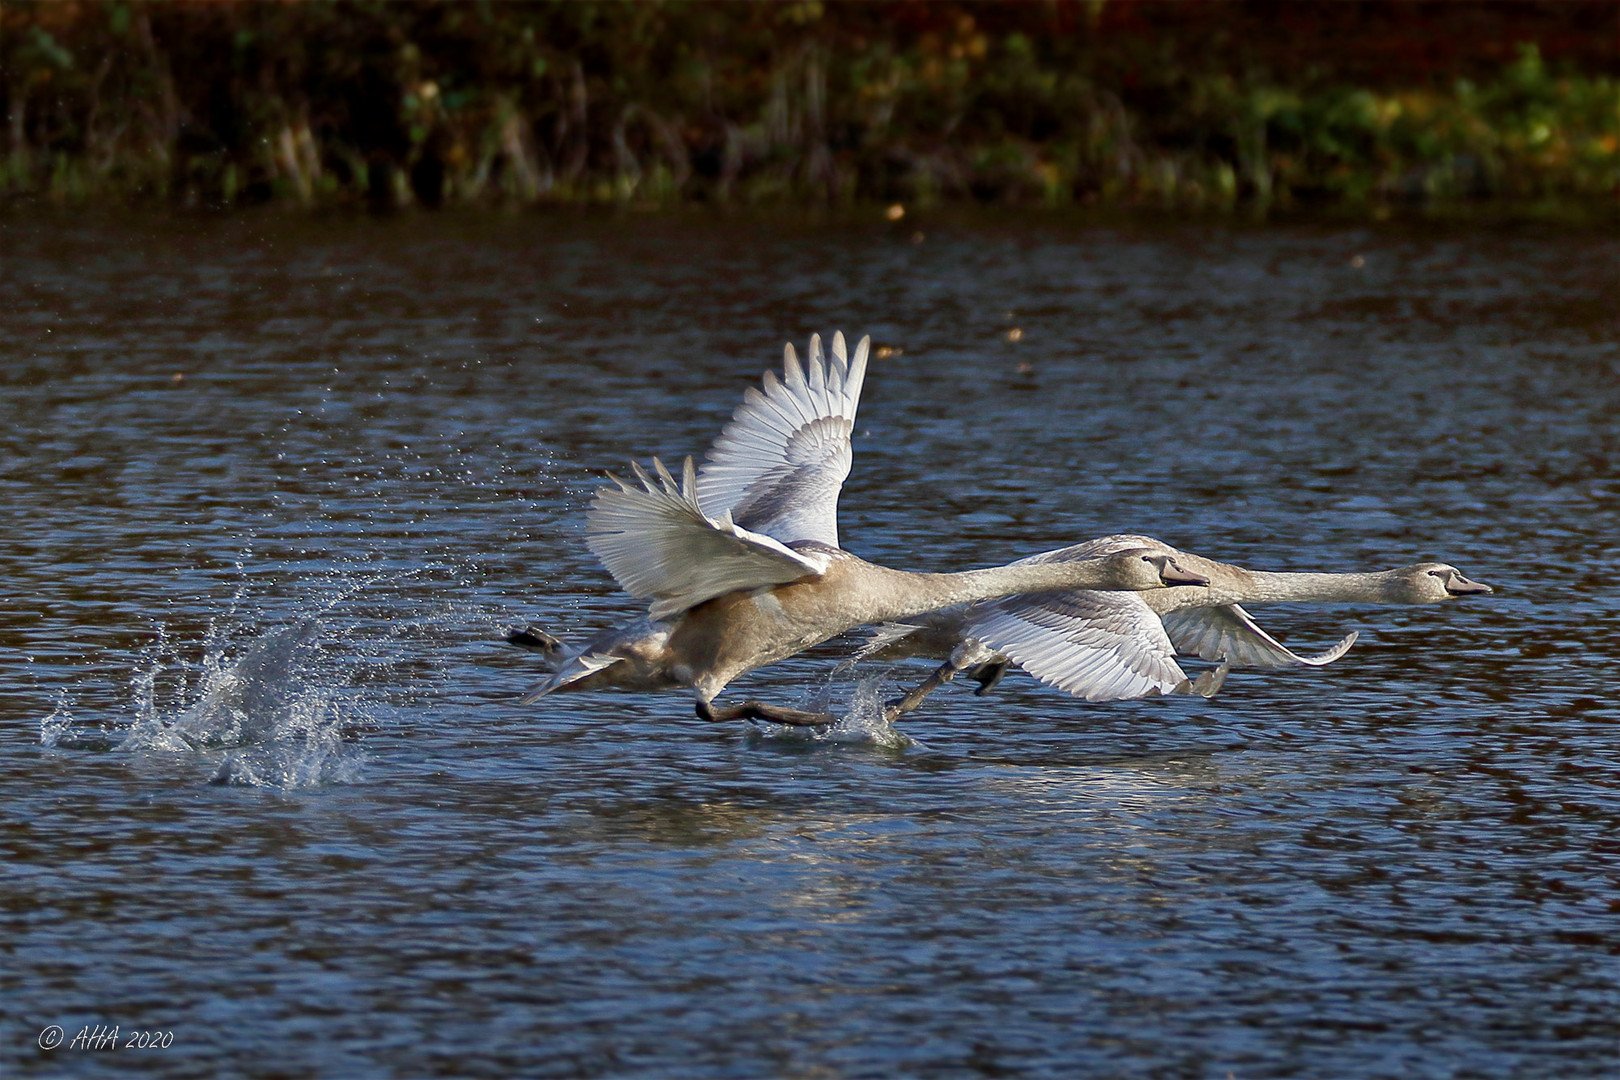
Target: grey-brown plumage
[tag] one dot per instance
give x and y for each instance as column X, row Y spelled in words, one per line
column 739, row 562
column 1107, row 646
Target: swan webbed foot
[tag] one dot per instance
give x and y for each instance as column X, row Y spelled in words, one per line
column 759, row 710
column 1209, row 683
column 989, row 675
column 534, row 639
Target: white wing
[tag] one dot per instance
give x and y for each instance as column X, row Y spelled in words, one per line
column 1211, row 633
column 659, row 545
column 1216, row 633
column 1100, row 646
column 778, row 466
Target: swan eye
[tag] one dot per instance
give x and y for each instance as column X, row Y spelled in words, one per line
column 1436, row 573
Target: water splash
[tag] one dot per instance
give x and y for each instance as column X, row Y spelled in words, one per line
column 61, row 730
column 862, row 724
column 272, row 712
column 274, row 703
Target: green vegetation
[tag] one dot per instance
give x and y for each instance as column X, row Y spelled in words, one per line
column 1175, row 105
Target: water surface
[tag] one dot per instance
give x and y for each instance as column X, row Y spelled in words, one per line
column 273, row 487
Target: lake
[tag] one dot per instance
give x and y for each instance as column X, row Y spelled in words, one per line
column 274, row 486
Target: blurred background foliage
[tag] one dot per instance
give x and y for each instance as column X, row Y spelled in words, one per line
column 1175, row 105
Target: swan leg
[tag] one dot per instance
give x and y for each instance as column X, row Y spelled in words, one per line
column 759, row 710
column 988, row 675
column 898, row 707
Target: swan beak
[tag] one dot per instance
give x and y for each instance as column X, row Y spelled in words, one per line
column 1457, row 585
column 1171, row 574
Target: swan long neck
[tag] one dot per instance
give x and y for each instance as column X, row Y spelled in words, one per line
column 900, row 594
column 1235, row 585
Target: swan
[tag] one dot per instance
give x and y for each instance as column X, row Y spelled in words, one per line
column 1106, row 646
column 740, row 565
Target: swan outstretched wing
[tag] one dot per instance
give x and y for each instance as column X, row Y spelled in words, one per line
column 934, row 635
column 660, row 546
column 1100, row 646
column 573, row 670
column 780, row 463
column 1100, row 546
column 1229, row 633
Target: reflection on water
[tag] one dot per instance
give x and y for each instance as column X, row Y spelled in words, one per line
column 275, row 487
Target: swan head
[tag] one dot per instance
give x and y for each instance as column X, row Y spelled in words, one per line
column 1151, row 568
column 1428, row 582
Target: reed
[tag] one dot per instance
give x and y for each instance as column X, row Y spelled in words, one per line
column 1191, row 107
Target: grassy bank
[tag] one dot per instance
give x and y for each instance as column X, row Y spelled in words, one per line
column 1183, row 106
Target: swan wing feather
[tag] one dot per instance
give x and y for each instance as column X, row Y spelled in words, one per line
column 882, row 637
column 659, row 545
column 1100, row 646
column 779, row 465
column 1092, row 549
column 573, row 671
column 1211, row 633
column 933, row 635
column 1230, row 633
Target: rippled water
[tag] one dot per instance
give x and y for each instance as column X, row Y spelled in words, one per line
column 272, row 488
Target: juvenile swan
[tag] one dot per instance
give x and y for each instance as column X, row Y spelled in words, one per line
column 740, row 562
column 1106, row 646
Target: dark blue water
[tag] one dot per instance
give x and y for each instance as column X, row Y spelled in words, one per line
column 271, row 488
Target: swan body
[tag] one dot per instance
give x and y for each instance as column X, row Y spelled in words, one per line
column 740, row 565
column 1106, row 646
